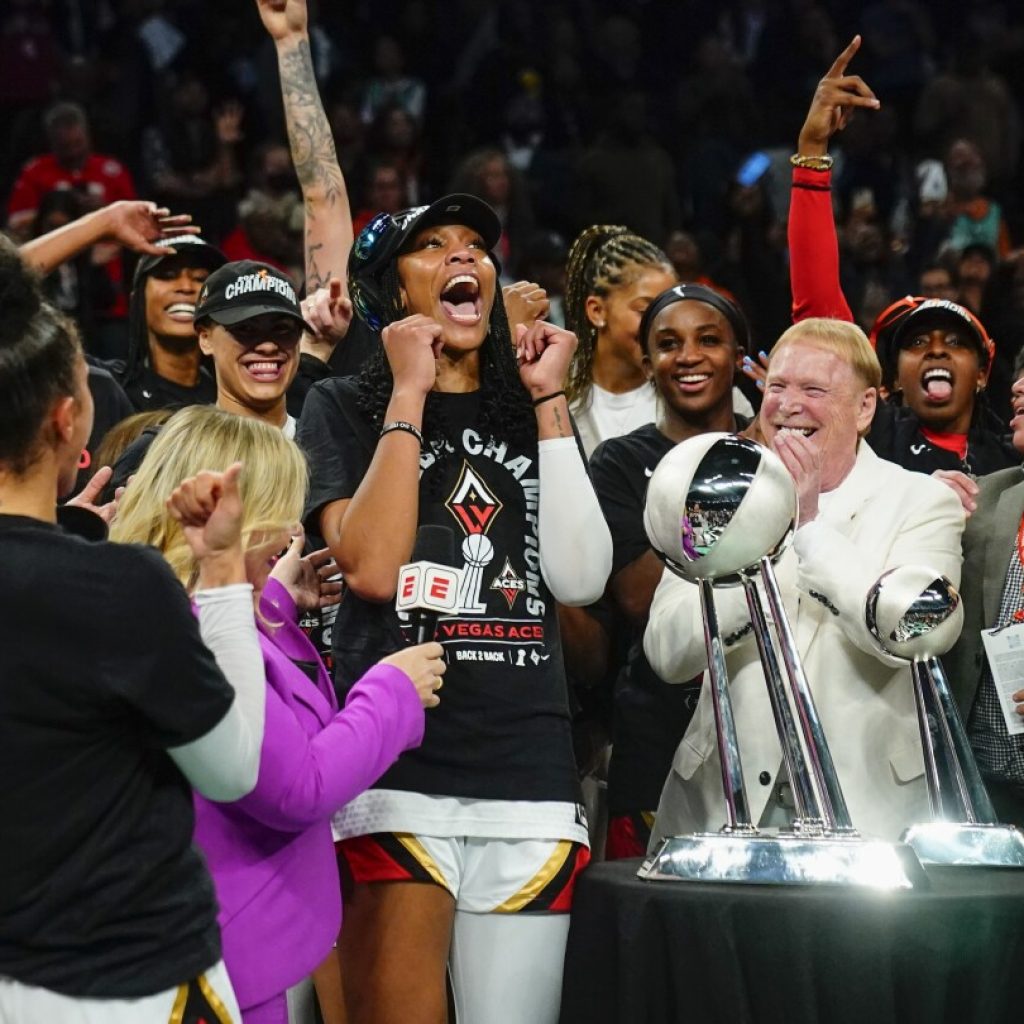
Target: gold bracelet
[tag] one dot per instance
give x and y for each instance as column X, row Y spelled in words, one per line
column 812, row 163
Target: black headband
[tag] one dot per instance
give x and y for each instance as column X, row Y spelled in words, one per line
column 696, row 293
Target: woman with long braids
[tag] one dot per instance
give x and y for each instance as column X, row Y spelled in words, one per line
column 453, row 424
column 612, row 276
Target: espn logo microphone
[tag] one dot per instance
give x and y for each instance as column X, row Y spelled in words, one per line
column 428, row 586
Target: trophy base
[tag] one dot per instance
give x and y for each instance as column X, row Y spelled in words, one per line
column 955, row 843
column 788, row 858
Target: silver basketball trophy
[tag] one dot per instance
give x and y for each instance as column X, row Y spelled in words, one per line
column 915, row 613
column 720, row 511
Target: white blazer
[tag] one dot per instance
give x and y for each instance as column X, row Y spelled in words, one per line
column 879, row 517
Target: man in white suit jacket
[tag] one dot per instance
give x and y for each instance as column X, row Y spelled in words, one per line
column 859, row 516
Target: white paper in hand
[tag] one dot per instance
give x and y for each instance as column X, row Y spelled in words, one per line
column 1005, row 650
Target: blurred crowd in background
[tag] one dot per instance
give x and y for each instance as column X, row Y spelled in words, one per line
column 673, row 117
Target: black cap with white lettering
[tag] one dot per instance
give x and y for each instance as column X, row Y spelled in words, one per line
column 241, row 290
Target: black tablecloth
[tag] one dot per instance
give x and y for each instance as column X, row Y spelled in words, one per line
column 650, row 952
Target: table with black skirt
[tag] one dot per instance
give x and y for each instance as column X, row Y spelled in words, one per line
column 709, row 953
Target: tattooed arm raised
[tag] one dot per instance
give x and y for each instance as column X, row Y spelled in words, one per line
column 328, row 236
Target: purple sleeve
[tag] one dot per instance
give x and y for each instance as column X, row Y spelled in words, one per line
column 304, row 779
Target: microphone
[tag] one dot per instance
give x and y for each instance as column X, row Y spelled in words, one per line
column 429, row 585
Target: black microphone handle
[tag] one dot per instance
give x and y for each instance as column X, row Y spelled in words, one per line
column 424, row 626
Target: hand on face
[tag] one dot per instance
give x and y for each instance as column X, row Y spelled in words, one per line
column 544, row 353
column 803, row 460
column 412, row 347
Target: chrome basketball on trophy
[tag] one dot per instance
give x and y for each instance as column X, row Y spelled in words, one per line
column 721, row 510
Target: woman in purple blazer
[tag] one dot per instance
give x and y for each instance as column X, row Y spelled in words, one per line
column 271, row 853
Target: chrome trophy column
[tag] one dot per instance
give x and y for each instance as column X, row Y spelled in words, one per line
column 915, row 613
column 720, row 511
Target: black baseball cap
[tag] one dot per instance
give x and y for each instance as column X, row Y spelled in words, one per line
column 191, row 247
column 387, row 234
column 241, row 290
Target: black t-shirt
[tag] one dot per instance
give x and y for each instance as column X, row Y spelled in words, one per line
column 502, row 730
column 896, row 435
column 150, row 391
column 650, row 715
column 101, row 892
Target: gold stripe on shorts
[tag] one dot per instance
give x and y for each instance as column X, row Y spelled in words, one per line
column 215, row 1001
column 178, row 1009
column 425, row 861
column 536, row 884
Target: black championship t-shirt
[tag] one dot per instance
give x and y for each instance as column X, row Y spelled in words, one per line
column 502, row 730
column 650, row 715
column 151, row 391
column 101, row 670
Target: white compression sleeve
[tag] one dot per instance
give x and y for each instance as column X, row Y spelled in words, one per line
column 224, row 764
column 575, row 545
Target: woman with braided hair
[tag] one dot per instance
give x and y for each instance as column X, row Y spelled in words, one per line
column 612, row 276
column 454, row 425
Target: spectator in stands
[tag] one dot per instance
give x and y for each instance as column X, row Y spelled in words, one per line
column 975, row 264
column 383, row 192
column 190, row 157
column 99, row 179
column 270, row 216
column 488, row 175
column 970, row 101
column 938, row 280
column 70, row 163
column 972, row 215
column 395, row 136
column 390, row 86
column 625, row 177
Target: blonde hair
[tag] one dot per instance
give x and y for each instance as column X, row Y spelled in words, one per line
column 843, row 339
column 121, row 435
column 273, row 482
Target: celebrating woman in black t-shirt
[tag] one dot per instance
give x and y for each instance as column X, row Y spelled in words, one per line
column 111, row 709
column 481, row 822
column 693, row 340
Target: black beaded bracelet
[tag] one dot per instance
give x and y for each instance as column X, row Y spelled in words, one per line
column 409, row 428
column 547, row 398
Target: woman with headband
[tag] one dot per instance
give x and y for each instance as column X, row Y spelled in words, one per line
column 693, row 342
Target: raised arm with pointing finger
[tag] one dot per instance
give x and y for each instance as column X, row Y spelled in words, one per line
column 814, row 251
